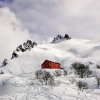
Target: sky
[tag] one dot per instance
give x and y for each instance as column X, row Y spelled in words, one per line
column 47, row 18
column 42, row 19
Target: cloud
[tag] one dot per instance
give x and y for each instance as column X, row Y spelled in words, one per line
column 12, row 33
column 79, row 18
column 46, row 18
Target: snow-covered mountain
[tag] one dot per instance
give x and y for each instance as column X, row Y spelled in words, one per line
column 18, row 82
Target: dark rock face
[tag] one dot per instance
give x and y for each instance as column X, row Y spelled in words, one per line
column 66, row 36
column 14, row 55
column 60, row 38
column 26, row 46
column 5, row 62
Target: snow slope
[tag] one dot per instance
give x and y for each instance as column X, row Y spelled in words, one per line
column 18, row 82
column 64, row 52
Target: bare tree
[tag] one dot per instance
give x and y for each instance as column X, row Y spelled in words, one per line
column 80, row 69
column 45, row 77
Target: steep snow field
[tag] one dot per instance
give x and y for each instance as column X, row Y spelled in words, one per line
column 18, row 82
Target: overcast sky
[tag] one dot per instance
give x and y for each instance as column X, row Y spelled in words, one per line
column 46, row 18
column 78, row 18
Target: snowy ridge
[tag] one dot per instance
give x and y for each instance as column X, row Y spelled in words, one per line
column 18, row 82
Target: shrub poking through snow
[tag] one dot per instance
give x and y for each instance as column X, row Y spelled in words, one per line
column 57, row 73
column 38, row 74
column 51, row 81
column 98, row 80
column 3, row 83
column 88, row 73
column 81, row 70
column 98, row 66
column 91, row 63
column 1, row 72
column 72, row 80
column 45, row 77
column 81, row 85
column 65, row 72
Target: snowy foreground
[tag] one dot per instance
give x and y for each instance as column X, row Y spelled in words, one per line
column 19, row 83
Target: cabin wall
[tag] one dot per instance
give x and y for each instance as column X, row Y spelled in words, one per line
column 51, row 65
column 46, row 65
column 55, row 66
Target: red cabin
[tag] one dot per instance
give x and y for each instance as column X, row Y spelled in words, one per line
column 50, row 65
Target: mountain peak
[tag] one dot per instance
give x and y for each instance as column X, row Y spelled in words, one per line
column 60, row 38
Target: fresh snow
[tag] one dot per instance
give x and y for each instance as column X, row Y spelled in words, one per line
column 19, row 83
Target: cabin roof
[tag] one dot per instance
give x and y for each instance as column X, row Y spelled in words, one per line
column 50, row 61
